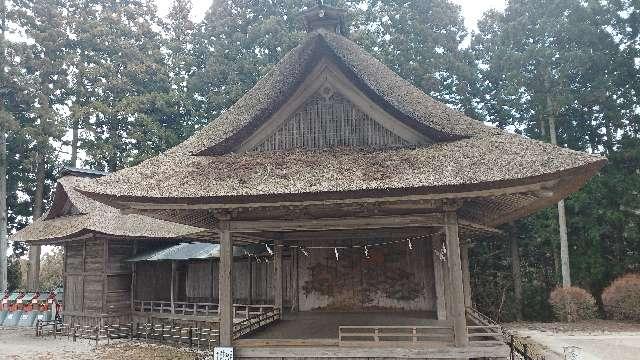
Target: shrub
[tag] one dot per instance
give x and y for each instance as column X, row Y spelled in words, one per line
column 621, row 299
column 573, row 304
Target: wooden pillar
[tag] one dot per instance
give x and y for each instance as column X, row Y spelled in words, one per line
column 133, row 276
column 515, row 271
column 250, row 266
column 438, row 274
column 277, row 270
column 295, row 300
column 173, row 286
column 466, row 276
column 456, row 287
column 225, row 285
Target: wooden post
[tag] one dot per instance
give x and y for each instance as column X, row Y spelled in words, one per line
column 466, row 276
column 439, row 278
column 250, row 294
column 295, row 300
column 133, row 276
column 173, row 286
column 225, row 284
column 515, row 272
column 277, row 269
column 456, row 287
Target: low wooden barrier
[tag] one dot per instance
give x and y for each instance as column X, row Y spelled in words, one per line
column 255, row 322
column 201, row 338
column 487, row 331
column 197, row 309
column 392, row 335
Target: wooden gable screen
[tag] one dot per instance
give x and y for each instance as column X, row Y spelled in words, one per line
column 329, row 111
column 328, row 120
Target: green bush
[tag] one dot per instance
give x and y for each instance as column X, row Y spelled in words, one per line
column 573, row 304
column 621, row 299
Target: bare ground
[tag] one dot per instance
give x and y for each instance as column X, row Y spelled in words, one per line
column 21, row 343
column 595, row 340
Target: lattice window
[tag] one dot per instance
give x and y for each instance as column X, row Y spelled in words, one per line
column 327, row 120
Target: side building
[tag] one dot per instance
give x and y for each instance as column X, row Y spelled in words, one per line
column 97, row 241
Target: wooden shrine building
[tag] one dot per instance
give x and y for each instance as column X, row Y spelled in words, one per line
column 367, row 192
column 120, row 268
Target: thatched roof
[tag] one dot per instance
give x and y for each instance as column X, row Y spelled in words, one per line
column 396, row 95
column 481, row 162
column 466, row 154
column 73, row 215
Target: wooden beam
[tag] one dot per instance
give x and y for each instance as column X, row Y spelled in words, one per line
column 438, row 274
column 345, row 223
column 225, row 284
column 456, row 287
column 278, row 281
column 355, row 234
column 406, row 352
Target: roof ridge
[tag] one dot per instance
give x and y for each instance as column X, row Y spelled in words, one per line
column 396, row 96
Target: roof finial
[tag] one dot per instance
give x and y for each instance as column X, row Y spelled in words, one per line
column 324, row 17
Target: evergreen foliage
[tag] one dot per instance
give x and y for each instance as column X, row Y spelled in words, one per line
column 117, row 84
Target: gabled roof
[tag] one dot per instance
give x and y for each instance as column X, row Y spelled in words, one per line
column 394, row 94
column 463, row 155
column 76, row 215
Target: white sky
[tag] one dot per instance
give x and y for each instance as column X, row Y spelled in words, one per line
column 471, row 9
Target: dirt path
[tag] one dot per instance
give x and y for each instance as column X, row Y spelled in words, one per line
column 21, row 343
column 599, row 340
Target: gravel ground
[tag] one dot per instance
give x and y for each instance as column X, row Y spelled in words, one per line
column 596, row 340
column 21, row 343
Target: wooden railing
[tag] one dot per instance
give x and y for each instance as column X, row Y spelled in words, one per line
column 255, row 322
column 241, row 311
column 488, row 331
column 484, row 331
column 392, row 335
column 198, row 337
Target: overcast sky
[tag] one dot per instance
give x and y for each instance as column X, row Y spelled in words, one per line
column 471, row 9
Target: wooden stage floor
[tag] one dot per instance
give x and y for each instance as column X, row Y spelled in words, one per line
column 324, row 325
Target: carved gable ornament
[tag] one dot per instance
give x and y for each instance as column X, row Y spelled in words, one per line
column 328, row 111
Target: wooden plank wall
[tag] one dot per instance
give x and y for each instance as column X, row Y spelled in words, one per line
column 96, row 277
column 253, row 281
column 393, row 277
column 153, row 280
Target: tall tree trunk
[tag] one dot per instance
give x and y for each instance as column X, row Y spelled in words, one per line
column 3, row 165
column 74, row 142
column 515, row 271
column 562, row 220
column 3, row 208
column 33, row 276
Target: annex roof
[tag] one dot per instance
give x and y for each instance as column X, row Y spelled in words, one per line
column 73, row 215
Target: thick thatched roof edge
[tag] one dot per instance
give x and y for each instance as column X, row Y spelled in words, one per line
column 89, row 216
column 120, row 201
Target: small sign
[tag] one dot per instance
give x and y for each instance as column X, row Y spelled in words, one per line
column 573, row 353
column 34, row 301
column 223, row 353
